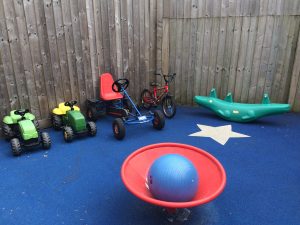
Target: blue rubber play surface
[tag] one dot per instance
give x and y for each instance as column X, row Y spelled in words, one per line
column 79, row 183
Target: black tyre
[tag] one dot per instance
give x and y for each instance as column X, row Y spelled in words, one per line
column 68, row 134
column 168, row 106
column 7, row 132
column 127, row 105
column 146, row 99
column 46, row 141
column 56, row 122
column 15, row 147
column 92, row 128
column 159, row 120
column 36, row 124
column 118, row 129
column 91, row 114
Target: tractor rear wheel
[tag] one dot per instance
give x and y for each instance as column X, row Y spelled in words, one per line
column 92, row 128
column 46, row 141
column 56, row 122
column 37, row 125
column 91, row 114
column 7, row 132
column 146, row 99
column 159, row 120
column 118, row 128
column 15, row 147
column 68, row 134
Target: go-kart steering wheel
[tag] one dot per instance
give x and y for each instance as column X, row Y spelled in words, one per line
column 71, row 104
column 21, row 112
column 120, row 85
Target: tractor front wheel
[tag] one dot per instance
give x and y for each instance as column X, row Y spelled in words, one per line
column 46, row 141
column 118, row 128
column 68, row 134
column 159, row 120
column 7, row 132
column 15, row 147
column 56, row 122
column 92, row 128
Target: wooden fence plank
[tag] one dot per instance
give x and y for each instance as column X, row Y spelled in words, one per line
column 136, row 47
column 241, row 58
column 8, row 79
column 105, row 35
column 33, row 36
column 256, row 58
column 61, row 45
column 45, row 56
column 78, row 52
column 294, row 93
column 142, row 65
column 93, row 47
column 131, row 68
column 70, row 48
column 118, row 43
column 85, row 48
column 16, row 53
column 249, row 59
column 179, row 37
column 51, row 32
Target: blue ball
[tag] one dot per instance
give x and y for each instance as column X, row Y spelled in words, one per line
column 173, row 178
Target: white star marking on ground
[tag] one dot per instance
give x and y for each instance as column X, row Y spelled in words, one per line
column 220, row 134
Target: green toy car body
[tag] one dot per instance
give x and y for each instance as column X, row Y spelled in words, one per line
column 67, row 117
column 22, row 130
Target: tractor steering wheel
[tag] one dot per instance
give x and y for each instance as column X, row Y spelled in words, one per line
column 120, row 85
column 21, row 112
column 71, row 104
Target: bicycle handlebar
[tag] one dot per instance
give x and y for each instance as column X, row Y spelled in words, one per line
column 165, row 76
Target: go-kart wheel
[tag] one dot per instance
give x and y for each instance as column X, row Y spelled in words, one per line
column 68, row 134
column 120, row 85
column 46, row 141
column 92, row 128
column 168, row 106
column 7, row 132
column 118, row 128
column 159, row 120
column 146, row 99
column 127, row 105
column 56, row 122
column 15, row 147
column 37, row 125
column 91, row 114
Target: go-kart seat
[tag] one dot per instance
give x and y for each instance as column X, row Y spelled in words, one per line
column 106, row 92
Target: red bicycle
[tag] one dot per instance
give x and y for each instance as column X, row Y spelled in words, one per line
column 160, row 95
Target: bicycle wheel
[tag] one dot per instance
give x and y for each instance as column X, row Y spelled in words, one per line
column 146, row 99
column 168, row 106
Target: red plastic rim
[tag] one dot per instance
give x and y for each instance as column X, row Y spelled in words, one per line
column 211, row 172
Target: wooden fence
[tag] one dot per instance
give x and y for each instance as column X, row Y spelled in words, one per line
column 53, row 50
column 246, row 47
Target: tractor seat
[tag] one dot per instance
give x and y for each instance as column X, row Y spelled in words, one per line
column 62, row 109
column 106, row 92
column 153, row 84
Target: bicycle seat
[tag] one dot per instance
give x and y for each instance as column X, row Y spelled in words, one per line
column 154, row 84
column 106, row 92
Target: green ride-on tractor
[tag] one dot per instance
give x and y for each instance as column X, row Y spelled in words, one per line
column 67, row 117
column 22, row 130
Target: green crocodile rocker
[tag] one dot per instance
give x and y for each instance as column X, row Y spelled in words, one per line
column 240, row 112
